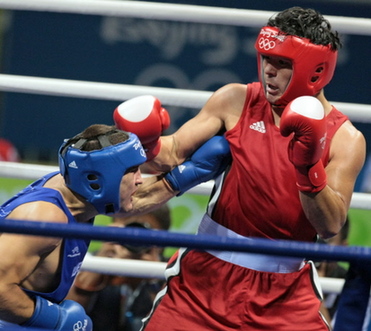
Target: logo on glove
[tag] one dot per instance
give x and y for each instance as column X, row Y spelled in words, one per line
column 181, row 167
column 80, row 326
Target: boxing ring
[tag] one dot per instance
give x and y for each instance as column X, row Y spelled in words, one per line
column 168, row 97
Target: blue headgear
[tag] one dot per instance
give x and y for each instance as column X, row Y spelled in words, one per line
column 96, row 175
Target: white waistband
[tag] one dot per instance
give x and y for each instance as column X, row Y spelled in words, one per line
column 259, row 262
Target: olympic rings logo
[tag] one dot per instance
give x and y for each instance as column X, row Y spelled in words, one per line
column 79, row 326
column 266, row 44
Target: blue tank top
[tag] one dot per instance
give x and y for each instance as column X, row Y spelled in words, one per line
column 73, row 250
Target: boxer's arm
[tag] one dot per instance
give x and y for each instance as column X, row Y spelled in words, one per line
column 221, row 112
column 325, row 193
column 20, row 257
column 327, row 210
column 208, row 162
column 144, row 116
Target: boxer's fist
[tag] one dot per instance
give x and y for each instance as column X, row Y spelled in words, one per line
column 145, row 117
column 206, row 163
column 69, row 315
column 305, row 118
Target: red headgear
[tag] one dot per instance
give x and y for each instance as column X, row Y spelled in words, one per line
column 313, row 65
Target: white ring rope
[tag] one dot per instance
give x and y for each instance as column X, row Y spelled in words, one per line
column 35, row 171
column 120, row 92
column 96, row 90
column 175, row 12
column 150, row 269
column 124, row 267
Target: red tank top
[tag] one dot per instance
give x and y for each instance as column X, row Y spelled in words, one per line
column 259, row 196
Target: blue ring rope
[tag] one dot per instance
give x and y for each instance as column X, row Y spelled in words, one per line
column 173, row 239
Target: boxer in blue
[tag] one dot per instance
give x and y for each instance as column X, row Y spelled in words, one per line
column 99, row 174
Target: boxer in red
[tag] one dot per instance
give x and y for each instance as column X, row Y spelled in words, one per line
column 295, row 160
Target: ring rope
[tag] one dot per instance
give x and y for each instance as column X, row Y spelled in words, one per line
column 152, row 269
column 144, row 269
column 35, row 171
column 124, row 267
column 97, row 90
column 201, row 241
column 120, row 92
column 175, row 12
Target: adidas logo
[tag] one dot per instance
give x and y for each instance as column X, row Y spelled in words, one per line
column 73, row 165
column 258, row 126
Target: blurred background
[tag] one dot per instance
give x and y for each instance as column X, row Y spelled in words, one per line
column 151, row 53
